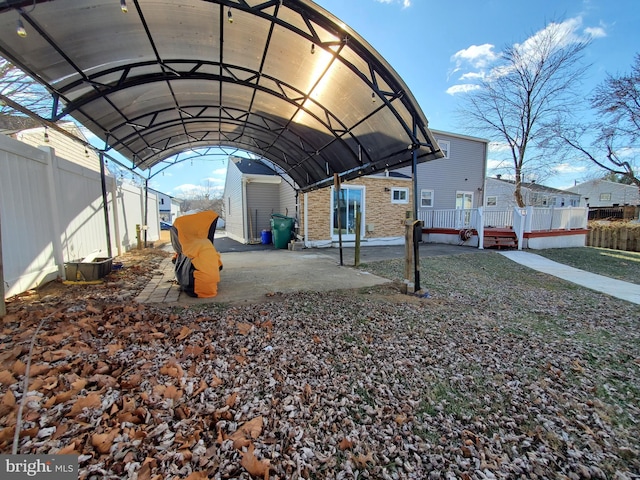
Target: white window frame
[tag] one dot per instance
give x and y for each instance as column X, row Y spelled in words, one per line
column 422, row 205
column 399, row 190
column 605, row 197
column 491, row 203
column 445, row 146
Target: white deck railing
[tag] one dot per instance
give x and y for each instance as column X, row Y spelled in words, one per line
column 451, row 218
column 522, row 220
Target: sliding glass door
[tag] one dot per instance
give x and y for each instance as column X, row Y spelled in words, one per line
column 349, row 201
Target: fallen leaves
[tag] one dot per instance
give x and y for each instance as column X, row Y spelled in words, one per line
column 329, row 386
column 92, row 400
column 103, row 442
column 256, row 467
column 246, row 433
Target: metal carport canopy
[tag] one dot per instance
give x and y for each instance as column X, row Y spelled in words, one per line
column 284, row 79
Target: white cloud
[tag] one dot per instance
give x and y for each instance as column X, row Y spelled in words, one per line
column 472, row 76
column 220, row 171
column 479, row 62
column 213, row 180
column 189, row 189
column 405, row 3
column 569, row 168
column 463, row 88
column 478, row 56
column 595, row 32
column 493, row 164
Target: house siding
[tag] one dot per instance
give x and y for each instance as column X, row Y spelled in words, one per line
column 262, row 201
column 503, row 192
column 65, row 147
column 621, row 194
column 464, row 171
column 287, row 195
column 547, row 197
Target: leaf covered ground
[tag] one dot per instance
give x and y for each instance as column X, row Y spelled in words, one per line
column 500, row 373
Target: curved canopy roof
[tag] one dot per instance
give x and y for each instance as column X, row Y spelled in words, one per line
column 282, row 78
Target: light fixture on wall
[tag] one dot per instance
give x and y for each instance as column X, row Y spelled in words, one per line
column 230, row 16
column 313, row 48
column 123, row 6
column 46, row 135
column 387, row 189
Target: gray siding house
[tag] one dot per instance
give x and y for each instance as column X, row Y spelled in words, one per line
column 602, row 193
column 499, row 195
column 252, row 193
column 457, row 180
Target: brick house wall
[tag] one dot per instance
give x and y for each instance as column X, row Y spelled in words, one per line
column 382, row 218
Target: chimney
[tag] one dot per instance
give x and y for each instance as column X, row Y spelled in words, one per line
column 499, row 176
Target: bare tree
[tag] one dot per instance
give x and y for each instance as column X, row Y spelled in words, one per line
column 534, row 82
column 202, row 198
column 19, row 87
column 611, row 142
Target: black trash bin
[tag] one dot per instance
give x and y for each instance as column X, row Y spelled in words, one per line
column 281, row 227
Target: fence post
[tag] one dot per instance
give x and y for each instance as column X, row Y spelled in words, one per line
column 528, row 219
column 3, row 307
column 56, row 242
column 480, row 228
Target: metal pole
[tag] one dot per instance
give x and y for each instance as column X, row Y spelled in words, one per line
column 105, row 206
column 3, row 307
column 336, row 183
column 146, row 210
column 416, row 224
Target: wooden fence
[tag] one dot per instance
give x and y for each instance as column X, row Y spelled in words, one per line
column 614, row 213
column 617, row 236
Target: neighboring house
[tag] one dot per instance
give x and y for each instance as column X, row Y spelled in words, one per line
column 253, row 191
column 602, row 193
column 169, row 207
column 65, row 147
column 500, row 195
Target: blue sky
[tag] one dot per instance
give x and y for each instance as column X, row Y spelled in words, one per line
column 438, row 47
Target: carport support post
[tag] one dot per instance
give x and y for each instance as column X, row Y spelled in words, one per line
column 105, row 206
column 416, row 224
column 146, row 210
column 336, row 184
column 3, row 307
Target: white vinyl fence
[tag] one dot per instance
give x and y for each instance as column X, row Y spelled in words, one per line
column 51, row 212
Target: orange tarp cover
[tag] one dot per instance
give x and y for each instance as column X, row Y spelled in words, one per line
column 193, row 231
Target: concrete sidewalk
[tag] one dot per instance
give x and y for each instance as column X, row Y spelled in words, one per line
column 616, row 288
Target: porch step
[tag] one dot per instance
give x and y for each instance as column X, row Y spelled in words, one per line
column 500, row 238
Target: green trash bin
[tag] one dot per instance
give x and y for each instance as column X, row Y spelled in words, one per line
column 281, row 227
